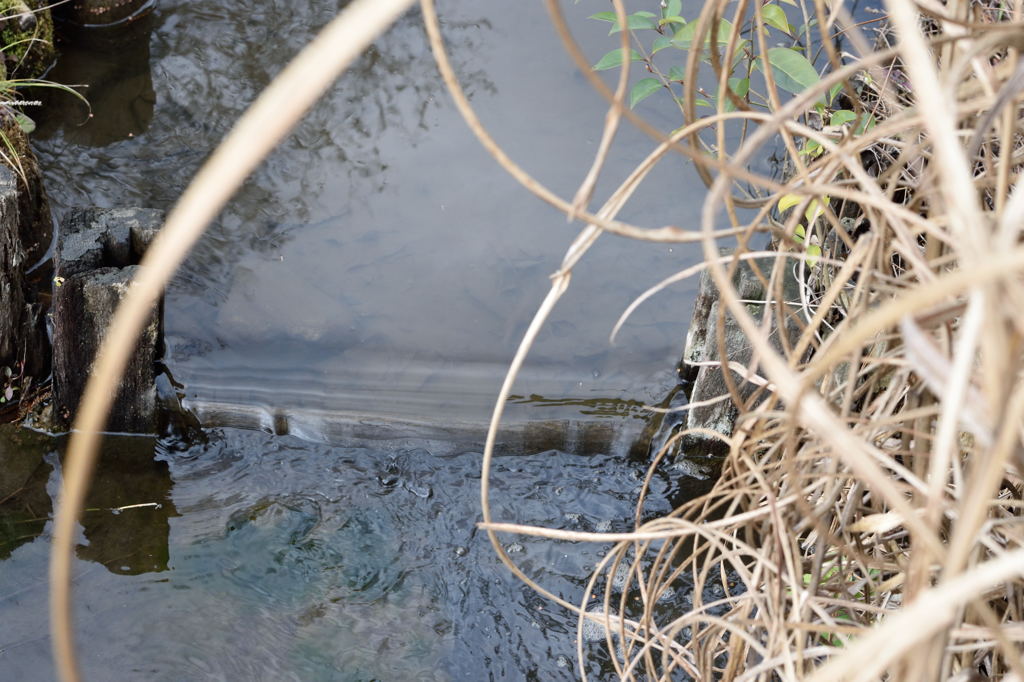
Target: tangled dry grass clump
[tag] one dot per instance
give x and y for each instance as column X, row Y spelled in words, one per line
column 866, row 523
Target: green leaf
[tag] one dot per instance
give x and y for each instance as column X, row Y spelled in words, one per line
column 643, row 89
column 635, row 21
column 741, row 46
column 26, row 124
column 811, row 149
column 676, row 73
column 702, row 103
column 813, row 254
column 814, row 209
column 673, row 8
column 833, row 91
column 804, row 27
column 775, row 17
column 660, row 43
column 791, row 69
column 866, row 124
column 614, row 58
column 788, row 201
column 740, row 86
column 684, row 37
column 841, row 117
column 674, row 19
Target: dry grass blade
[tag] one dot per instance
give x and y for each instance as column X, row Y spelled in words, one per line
column 934, row 610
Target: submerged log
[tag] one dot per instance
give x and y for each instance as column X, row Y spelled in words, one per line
column 95, row 263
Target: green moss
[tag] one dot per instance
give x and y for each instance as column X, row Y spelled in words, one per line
column 27, row 45
column 15, row 152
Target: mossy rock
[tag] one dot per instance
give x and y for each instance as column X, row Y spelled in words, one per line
column 33, row 205
column 26, row 33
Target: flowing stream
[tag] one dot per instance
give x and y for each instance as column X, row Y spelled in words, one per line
column 341, row 333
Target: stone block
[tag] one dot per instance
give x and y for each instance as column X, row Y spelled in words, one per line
column 92, row 238
column 97, row 253
column 24, row 348
column 709, row 381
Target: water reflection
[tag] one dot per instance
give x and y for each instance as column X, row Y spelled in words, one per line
column 126, row 523
column 271, row 558
column 25, row 505
column 128, row 509
column 112, row 70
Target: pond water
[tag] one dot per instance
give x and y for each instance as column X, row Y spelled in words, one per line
column 380, row 262
column 341, row 333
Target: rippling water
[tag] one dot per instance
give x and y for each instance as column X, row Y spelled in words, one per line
column 270, row 558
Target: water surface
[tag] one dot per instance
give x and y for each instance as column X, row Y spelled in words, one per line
column 379, row 261
column 259, row 557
